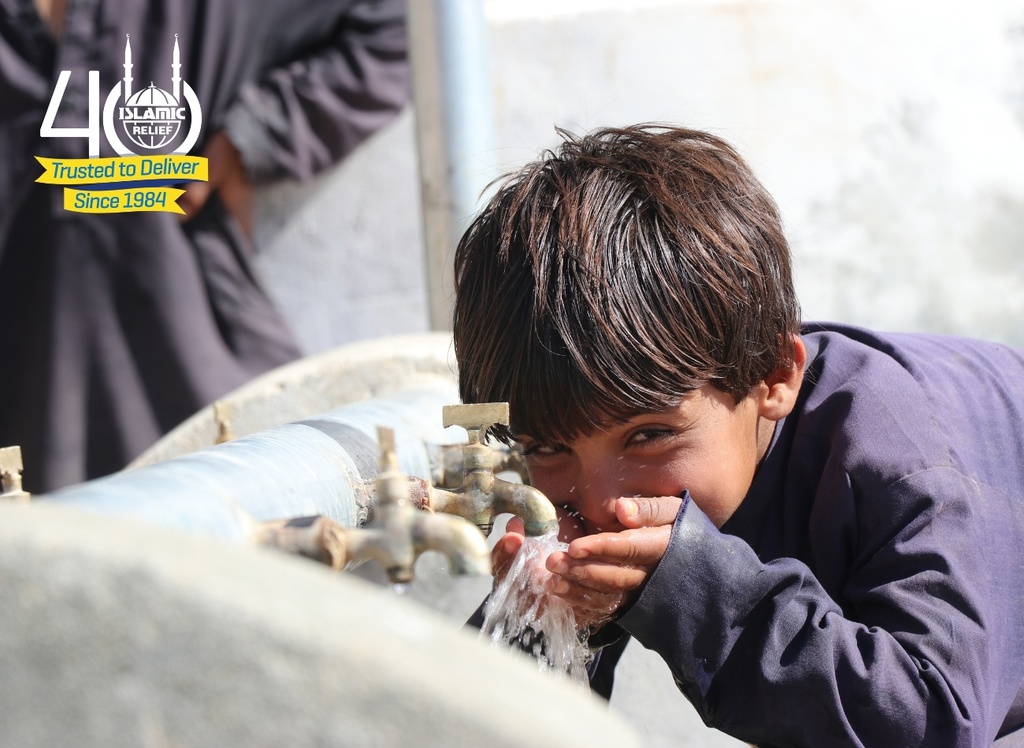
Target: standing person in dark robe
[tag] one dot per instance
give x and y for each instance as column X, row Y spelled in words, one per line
column 117, row 327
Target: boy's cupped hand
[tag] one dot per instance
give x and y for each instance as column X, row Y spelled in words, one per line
column 600, row 574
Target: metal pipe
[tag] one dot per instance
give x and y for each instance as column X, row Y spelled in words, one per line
column 319, row 466
column 451, row 82
column 468, row 105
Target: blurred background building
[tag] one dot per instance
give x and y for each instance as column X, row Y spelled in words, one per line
column 891, row 134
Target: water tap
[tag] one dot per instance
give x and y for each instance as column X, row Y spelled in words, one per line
column 10, row 475
column 223, row 413
column 395, row 536
column 483, row 495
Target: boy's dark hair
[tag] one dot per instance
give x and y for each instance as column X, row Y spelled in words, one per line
column 618, row 273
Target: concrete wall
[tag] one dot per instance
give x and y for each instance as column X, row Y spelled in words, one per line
column 891, row 134
column 342, row 255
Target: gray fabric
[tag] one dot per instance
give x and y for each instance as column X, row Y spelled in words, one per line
column 118, row 327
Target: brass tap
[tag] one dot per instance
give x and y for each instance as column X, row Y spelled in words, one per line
column 448, row 470
column 395, row 536
column 10, row 475
column 482, row 496
column 223, row 413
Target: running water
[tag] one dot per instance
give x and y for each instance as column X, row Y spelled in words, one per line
column 519, row 613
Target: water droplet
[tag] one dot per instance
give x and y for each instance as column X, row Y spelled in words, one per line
column 400, row 588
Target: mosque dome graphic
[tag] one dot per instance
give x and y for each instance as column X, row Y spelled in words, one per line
column 152, row 123
column 152, row 117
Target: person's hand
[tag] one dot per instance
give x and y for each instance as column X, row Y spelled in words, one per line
column 601, row 573
column 505, row 550
column 227, row 176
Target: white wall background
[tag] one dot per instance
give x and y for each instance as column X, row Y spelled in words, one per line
column 890, row 131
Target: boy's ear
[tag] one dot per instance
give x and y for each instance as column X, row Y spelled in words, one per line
column 783, row 385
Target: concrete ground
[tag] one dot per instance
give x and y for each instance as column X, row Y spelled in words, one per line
column 119, row 634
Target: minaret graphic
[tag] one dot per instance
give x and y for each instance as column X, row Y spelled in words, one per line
column 151, row 117
column 175, row 72
column 127, row 67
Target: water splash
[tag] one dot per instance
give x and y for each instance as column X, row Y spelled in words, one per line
column 520, row 614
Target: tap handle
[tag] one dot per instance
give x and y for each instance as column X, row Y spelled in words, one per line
column 475, row 417
column 10, row 474
column 223, row 412
column 388, row 453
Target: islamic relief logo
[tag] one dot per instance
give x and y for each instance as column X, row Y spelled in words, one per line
column 152, row 118
column 145, row 174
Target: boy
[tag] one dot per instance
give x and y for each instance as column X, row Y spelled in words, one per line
column 820, row 529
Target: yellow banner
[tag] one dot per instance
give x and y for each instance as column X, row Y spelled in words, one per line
column 129, row 200
column 76, row 171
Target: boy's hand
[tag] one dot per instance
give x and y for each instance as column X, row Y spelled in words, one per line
column 600, row 573
column 504, row 551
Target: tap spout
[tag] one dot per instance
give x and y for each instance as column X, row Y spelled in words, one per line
column 397, row 533
column 527, row 503
column 324, row 540
column 482, row 495
column 456, row 538
column 480, row 505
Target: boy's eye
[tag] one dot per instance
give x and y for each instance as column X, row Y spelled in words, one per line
column 647, row 436
column 543, row 450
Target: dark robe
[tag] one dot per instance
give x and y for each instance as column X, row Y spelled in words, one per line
column 869, row 590
column 118, row 327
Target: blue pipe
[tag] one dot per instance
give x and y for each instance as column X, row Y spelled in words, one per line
column 311, row 467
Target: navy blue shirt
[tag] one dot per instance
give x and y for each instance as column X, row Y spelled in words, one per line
column 869, row 591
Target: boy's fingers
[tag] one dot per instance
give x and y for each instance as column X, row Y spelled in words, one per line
column 583, row 579
column 643, row 547
column 504, row 552
column 509, row 544
column 648, row 511
column 592, row 606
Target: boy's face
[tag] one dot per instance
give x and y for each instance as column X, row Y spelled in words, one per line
column 709, row 445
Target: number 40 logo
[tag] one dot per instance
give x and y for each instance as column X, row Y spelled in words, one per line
column 151, row 118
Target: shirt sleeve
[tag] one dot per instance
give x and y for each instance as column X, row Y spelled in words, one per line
column 312, row 110
column 910, row 657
